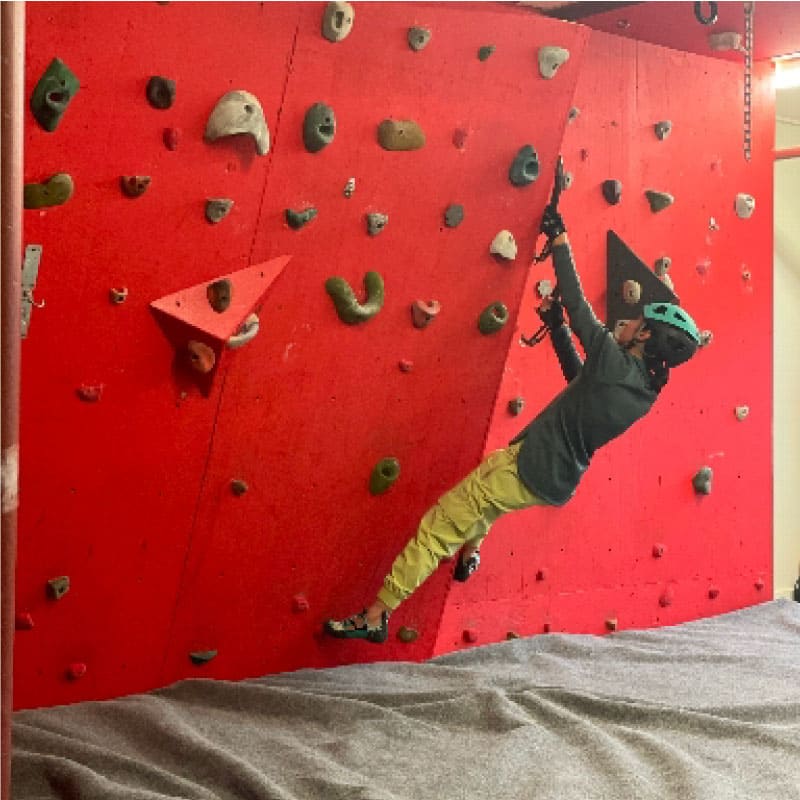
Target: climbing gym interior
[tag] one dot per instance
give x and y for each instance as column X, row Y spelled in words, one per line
column 274, row 279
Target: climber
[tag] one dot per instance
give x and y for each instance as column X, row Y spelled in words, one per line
column 617, row 384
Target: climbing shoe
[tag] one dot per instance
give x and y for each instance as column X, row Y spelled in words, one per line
column 465, row 568
column 356, row 627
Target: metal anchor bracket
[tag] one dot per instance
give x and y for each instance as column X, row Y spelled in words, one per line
column 30, row 271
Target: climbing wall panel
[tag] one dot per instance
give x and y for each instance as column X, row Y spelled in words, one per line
column 637, row 546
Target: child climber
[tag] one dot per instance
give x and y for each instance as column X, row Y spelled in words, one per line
column 614, row 387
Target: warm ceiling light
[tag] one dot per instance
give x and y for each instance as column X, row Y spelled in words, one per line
column 787, row 72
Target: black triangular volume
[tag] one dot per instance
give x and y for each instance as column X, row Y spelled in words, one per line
column 622, row 264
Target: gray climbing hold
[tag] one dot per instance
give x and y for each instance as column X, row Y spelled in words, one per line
column 745, row 205
column 726, row 40
column 239, row 112
column 661, row 269
column 566, row 180
column 516, row 405
column 349, row 187
column 347, row 306
column 219, row 294
column 658, row 200
column 663, row 129
column 217, row 208
column 319, row 127
column 454, row 215
column 612, row 191
column 492, row 318
column 337, row 21
column 376, row 222
column 57, row 587
column 504, row 245
column 742, row 412
column 160, row 92
column 485, row 51
column 418, row 38
column 385, row 473
column 525, row 167
column 550, row 59
column 202, row 656
column 706, row 337
column 702, row 480
column 631, row 292
column 297, row 219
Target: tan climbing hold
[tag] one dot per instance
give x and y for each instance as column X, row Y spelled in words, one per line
column 504, row 245
column 400, row 134
column 239, row 112
column 423, row 313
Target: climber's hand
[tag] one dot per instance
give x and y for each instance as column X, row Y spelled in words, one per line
column 552, row 225
column 551, row 312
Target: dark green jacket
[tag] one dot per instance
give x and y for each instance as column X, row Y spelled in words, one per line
column 611, row 391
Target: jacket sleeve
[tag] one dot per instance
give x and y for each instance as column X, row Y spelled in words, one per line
column 582, row 319
column 568, row 358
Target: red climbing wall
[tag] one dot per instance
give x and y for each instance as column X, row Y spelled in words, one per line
column 636, row 544
column 130, row 496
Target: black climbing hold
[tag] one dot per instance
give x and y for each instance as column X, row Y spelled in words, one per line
column 702, row 480
column 612, row 191
column 712, row 16
column 238, row 487
column 297, row 219
column 319, row 127
column 454, row 215
column 160, row 92
column 486, row 51
column 658, row 200
column 134, row 185
column 219, row 294
column 516, row 405
column 525, row 167
column 202, row 656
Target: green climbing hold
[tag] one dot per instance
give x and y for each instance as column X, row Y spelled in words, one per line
column 386, row 472
column 486, row 51
column 492, row 318
column 658, row 200
column 297, row 219
column 525, row 167
column 53, row 94
column 347, row 305
column 53, row 192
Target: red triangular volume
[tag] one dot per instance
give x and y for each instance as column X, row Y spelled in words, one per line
column 187, row 316
column 622, row 264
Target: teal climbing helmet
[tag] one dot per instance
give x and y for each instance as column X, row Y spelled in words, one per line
column 674, row 334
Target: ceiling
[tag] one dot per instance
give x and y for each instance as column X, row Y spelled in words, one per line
column 776, row 25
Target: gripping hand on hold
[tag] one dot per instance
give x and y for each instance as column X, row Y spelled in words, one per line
column 552, row 225
column 551, row 312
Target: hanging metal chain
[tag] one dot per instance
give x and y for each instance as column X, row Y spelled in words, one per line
column 749, row 11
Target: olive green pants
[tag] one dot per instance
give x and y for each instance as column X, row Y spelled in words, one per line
column 462, row 516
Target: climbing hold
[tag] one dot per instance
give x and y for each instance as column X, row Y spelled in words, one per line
column 573, row 114
column 525, row 167
column 727, row 40
column 246, row 332
column 319, row 127
column 376, row 222
column 423, row 313
column 201, row 356
column 349, row 187
column 53, row 93
column 612, row 191
column 347, row 306
column 760, row 584
column 454, row 215
column 659, row 550
column 202, row 656
column 631, row 292
column 171, row 137
column 460, row 138
column 713, row 592
column 217, row 208
column 745, row 205
column 611, row 624
column 742, row 412
column 407, row 635
column 504, row 245
column 405, row 365
column 297, row 219
column 23, row 621
column 663, row 129
column 337, row 21
column 385, row 473
column 658, row 200
column 706, row 337
column 667, row 597
column 662, row 265
column 541, row 574
column 90, row 392
column 702, row 480
column 512, row 635
column 219, row 294
column 400, row 134
column 746, row 274
column 470, row 635
column 550, row 59
column 485, row 51
column 492, row 318
column 712, row 17
column 238, row 487
column 300, row 604
column 57, row 587
column 160, row 92
column 239, row 112
column 584, row 154
column 118, row 295
column 418, row 38
column 713, row 225
column 76, row 671
column 516, row 405
column 544, row 288
column 547, row 627
column 134, row 185
column 53, row 192
column 566, row 180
